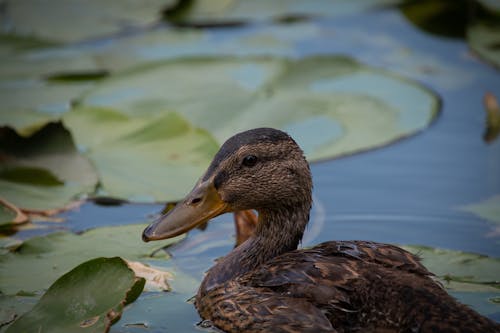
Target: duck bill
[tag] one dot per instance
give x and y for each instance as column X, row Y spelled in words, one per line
column 199, row 206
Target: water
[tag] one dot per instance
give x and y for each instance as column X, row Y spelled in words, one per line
column 407, row 193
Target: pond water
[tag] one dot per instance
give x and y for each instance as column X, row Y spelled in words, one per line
column 410, row 192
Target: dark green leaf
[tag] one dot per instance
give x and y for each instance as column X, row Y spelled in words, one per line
column 43, row 171
column 89, row 298
column 52, row 255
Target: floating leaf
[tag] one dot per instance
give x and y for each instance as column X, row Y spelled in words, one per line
column 24, row 98
column 25, row 123
column 484, row 39
column 324, row 102
column 44, row 171
column 151, row 311
column 39, row 63
column 149, row 158
column 488, row 209
column 203, row 13
column 52, row 255
column 11, row 307
column 457, row 266
column 61, row 20
column 89, row 298
column 10, row 214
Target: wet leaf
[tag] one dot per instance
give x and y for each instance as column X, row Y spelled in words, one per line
column 152, row 311
column 80, row 20
column 142, row 158
column 149, row 309
column 25, row 123
column 52, row 255
column 89, row 298
column 8, row 244
column 44, row 171
column 324, row 102
column 484, row 39
column 11, row 307
column 488, row 209
column 460, row 267
column 209, row 13
column 36, row 99
column 10, row 214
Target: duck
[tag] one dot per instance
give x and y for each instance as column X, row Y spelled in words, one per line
column 267, row 284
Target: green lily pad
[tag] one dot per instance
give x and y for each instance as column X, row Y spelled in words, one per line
column 25, row 123
column 68, row 21
column 149, row 158
column 10, row 214
column 42, row 62
column 208, row 12
column 149, row 313
column 460, row 268
column 52, row 255
column 43, row 172
column 11, row 307
column 324, row 102
column 488, row 209
column 484, row 39
column 89, row 298
column 19, row 98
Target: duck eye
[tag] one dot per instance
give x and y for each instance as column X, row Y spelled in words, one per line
column 249, row 160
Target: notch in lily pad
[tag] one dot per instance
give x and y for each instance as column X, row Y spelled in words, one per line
column 89, row 298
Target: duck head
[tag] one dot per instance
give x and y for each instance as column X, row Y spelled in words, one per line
column 262, row 169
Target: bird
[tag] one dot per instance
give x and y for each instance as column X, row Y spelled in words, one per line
column 267, row 284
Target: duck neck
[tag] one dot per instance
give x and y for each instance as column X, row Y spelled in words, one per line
column 278, row 231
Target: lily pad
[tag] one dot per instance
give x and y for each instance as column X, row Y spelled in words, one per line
column 460, row 267
column 488, row 209
column 25, row 123
column 43, row 172
column 11, row 307
column 484, row 39
column 52, row 255
column 19, row 98
column 79, row 19
column 89, row 298
column 332, row 105
column 148, row 158
column 149, row 313
column 231, row 12
column 10, row 214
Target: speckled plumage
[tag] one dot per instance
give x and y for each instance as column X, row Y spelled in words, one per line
column 339, row 286
column 267, row 285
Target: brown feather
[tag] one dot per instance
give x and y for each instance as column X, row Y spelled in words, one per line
column 267, row 285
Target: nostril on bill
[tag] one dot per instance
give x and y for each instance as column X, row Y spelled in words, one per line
column 195, row 201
